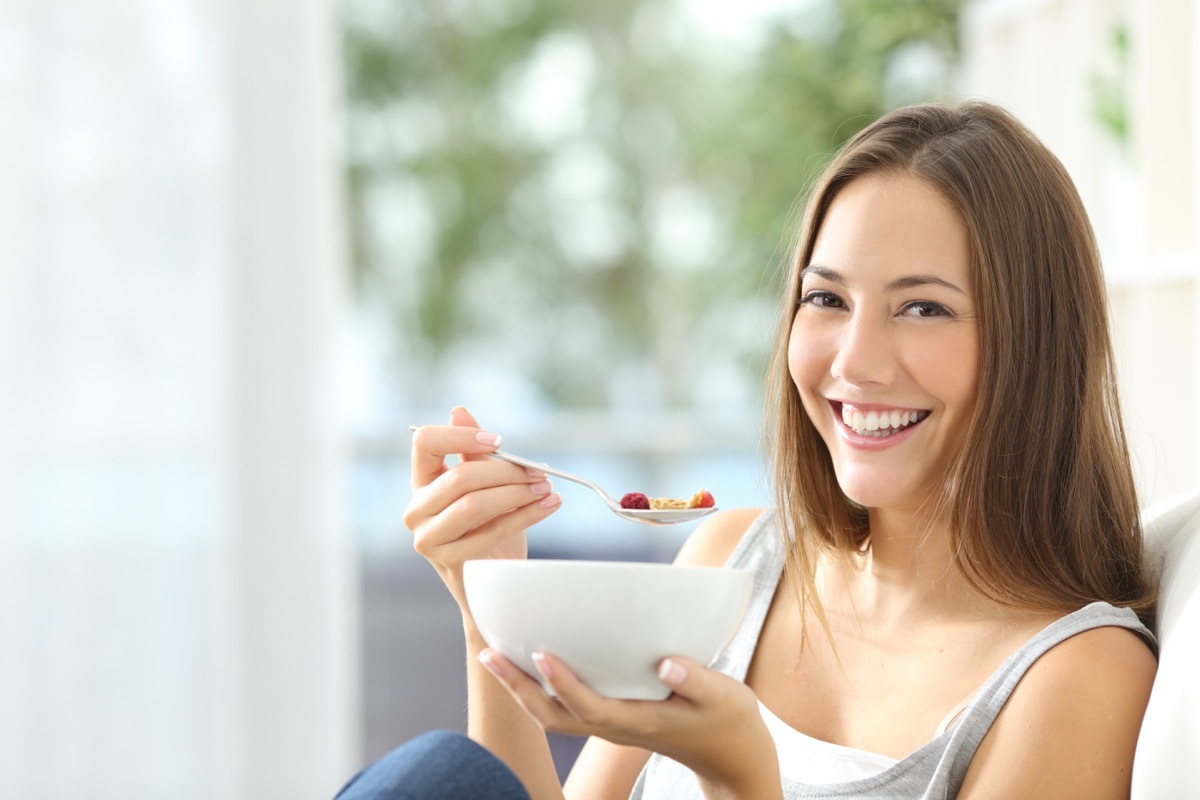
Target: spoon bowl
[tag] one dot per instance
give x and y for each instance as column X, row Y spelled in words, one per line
column 663, row 516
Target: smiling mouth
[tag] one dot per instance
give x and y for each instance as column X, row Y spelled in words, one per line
column 879, row 423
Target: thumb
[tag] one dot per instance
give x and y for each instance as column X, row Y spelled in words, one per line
column 460, row 416
column 685, row 676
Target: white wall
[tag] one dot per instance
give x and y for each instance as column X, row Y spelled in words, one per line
column 177, row 598
column 1039, row 57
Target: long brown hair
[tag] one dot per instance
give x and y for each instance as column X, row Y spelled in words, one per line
column 1041, row 499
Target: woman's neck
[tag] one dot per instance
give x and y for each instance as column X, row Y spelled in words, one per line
column 907, row 573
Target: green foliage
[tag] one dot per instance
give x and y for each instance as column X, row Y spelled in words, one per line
column 570, row 188
column 1109, row 96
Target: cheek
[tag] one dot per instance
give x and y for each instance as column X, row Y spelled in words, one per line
column 802, row 355
column 951, row 372
column 806, row 364
column 967, row 373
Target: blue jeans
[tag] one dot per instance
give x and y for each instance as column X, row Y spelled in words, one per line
column 440, row 765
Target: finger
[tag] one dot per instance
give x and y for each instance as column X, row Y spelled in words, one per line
column 479, row 483
column 637, row 723
column 468, row 494
column 462, row 418
column 432, row 443
column 590, row 709
column 566, row 684
column 530, row 694
column 573, row 693
column 502, row 669
column 481, row 516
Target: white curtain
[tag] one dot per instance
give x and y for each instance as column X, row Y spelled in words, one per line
column 177, row 597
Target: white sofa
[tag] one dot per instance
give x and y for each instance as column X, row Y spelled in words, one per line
column 1167, row 764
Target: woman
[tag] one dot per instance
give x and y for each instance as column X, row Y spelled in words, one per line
column 948, row 593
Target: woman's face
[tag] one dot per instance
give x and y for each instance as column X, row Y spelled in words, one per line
column 884, row 348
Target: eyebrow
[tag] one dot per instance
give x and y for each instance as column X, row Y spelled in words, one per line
column 906, row 282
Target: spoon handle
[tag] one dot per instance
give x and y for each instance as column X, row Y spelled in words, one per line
column 558, row 473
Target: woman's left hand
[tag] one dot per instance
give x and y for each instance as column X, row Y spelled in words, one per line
column 710, row 724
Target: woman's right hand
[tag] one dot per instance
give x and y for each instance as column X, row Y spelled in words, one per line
column 478, row 508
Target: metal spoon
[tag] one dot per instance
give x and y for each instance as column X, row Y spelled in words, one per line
column 663, row 516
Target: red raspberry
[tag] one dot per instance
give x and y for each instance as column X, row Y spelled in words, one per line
column 705, row 499
column 635, row 500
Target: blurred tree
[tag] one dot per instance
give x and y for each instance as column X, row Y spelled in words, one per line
column 1109, row 91
column 596, row 195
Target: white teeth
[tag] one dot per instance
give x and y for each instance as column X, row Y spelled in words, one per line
column 878, row 424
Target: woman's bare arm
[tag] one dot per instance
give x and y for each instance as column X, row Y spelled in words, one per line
column 1071, row 726
column 496, row 721
column 480, row 508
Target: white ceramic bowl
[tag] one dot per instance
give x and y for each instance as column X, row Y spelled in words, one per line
column 611, row 622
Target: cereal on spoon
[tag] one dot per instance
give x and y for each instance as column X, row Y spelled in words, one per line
column 639, row 501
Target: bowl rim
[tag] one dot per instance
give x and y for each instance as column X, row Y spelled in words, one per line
column 602, row 565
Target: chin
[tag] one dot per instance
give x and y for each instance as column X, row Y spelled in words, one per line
column 883, row 494
column 871, row 500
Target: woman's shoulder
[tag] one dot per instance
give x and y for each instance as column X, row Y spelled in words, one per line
column 1106, row 665
column 1070, row 727
column 714, row 540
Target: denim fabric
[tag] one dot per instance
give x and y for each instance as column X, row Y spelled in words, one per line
column 440, row 765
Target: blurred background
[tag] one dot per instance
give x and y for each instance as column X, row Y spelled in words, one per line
column 244, row 245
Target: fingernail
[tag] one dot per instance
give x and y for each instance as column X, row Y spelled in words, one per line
column 543, row 666
column 535, row 473
column 540, row 489
column 551, row 500
column 489, row 663
column 490, row 439
column 671, row 673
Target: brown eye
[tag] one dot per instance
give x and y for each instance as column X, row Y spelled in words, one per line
column 821, row 299
column 925, row 308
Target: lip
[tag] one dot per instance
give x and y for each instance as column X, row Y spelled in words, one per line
column 861, row 442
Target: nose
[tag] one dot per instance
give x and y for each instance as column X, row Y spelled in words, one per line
column 865, row 352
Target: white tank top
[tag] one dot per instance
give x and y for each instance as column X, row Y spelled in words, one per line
column 803, row 758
